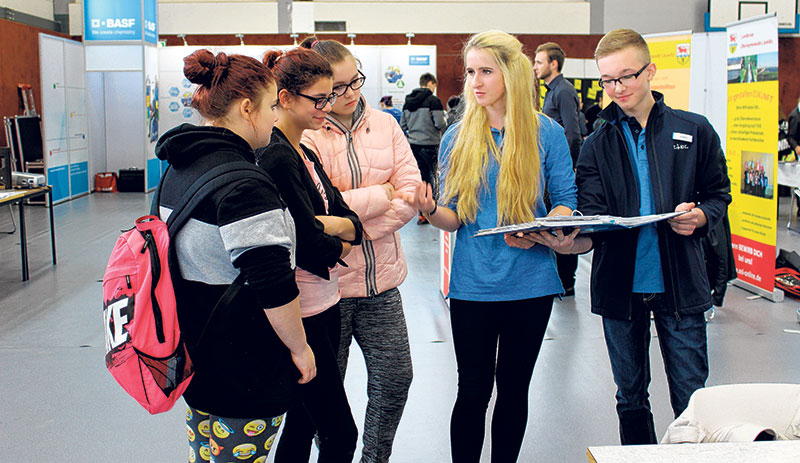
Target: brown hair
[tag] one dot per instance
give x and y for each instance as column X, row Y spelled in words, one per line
column 619, row 39
column 331, row 50
column 223, row 79
column 554, row 52
column 426, row 79
column 297, row 68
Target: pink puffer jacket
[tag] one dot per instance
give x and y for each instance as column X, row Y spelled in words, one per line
column 358, row 162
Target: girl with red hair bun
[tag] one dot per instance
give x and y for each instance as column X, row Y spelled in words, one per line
column 243, row 353
column 326, row 232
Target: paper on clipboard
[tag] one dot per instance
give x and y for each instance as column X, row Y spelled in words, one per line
column 586, row 223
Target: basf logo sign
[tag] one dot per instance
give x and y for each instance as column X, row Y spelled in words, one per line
column 118, row 20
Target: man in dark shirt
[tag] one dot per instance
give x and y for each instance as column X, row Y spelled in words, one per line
column 794, row 130
column 562, row 105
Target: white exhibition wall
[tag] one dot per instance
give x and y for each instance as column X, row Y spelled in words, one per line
column 64, row 116
column 124, row 123
column 391, row 70
column 708, row 90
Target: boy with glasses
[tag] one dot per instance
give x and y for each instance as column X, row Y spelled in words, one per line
column 648, row 158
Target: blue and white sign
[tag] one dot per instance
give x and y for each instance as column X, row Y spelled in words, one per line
column 419, row 60
column 150, row 21
column 112, row 20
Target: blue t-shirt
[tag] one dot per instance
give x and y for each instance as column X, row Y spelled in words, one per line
column 485, row 268
column 647, row 275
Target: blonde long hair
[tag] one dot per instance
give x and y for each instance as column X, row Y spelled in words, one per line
column 518, row 183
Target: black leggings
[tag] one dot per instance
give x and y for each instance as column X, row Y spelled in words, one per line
column 322, row 407
column 494, row 341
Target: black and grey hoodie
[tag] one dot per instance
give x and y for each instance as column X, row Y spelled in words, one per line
column 423, row 118
column 242, row 368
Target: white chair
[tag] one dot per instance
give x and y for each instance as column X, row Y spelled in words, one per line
column 738, row 413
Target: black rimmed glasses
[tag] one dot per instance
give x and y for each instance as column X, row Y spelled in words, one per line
column 354, row 84
column 624, row 80
column 320, row 101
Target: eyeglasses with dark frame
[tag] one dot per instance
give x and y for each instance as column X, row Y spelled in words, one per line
column 354, row 84
column 321, row 101
column 624, row 80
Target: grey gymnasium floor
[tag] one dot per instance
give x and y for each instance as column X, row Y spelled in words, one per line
column 58, row 403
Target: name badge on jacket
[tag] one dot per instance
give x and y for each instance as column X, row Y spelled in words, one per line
column 681, row 137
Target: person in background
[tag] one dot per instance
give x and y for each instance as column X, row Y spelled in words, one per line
column 388, row 107
column 260, row 332
column 648, row 158
column 424, row 121
column 368, row 158
column 496, row 164
column 591, row 111
column 561, row 103
column 793, row 131
column 327, row 229
column 455, row 109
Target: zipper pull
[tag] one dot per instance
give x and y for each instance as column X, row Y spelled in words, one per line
column 147, row 238
column 128, row 280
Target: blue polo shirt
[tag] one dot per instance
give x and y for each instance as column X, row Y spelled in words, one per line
column 485, row 268
column 647, row 275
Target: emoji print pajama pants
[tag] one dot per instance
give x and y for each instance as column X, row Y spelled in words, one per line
column 217, row 439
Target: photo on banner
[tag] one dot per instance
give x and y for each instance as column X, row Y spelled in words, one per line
column 752, row 135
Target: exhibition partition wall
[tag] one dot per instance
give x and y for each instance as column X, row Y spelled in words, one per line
column 708, row 92
column 752, row 150
column 64, row 116
column 122, row 65
column 390, row 70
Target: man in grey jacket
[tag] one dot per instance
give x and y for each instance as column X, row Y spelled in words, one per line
column 423, row 121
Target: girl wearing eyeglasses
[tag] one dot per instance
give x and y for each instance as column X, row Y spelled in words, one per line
column 369, row 159
column 495, row 165
column 326, row 231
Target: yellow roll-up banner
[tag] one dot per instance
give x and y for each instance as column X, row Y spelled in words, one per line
column 752, row 140
column 672, row 55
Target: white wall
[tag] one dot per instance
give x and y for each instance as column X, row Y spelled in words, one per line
column 513, row 17
column 40, row 8
column 246, row 17
column 653, row 16
column 422, row 16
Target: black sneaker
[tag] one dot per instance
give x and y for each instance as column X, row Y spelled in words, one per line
column 569, row 292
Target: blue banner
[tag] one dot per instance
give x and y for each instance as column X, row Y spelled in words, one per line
column 58, row 178
column 154, row 171
column 79, row 178
column 150, row 21
column 419, row 60
column 113, row 19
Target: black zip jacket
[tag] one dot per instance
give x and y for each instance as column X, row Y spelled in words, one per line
column 242, row 369
column 680, row 171
column 317, row 251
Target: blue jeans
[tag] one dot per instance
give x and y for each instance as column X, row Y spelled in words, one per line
column 683, row 348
